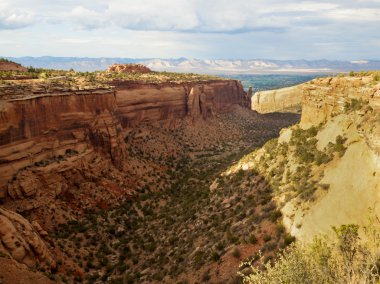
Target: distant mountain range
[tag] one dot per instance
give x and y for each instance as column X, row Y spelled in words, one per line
column 222, row 66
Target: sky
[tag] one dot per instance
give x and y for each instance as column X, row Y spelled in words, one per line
column 205, row 29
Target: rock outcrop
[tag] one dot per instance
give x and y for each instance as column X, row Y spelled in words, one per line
column 23, row 241
column 128, row 68
column 327, row 97
column 168, row 103
column 281, row 100
column 47, row 128
column 6, row 65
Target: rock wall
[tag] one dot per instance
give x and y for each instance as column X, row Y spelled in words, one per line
column 326, row 97
column 281, row 100
column 49, row 128
column 46, row 129
column 167, row 103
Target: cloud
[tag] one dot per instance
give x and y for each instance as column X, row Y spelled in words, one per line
column 84, row 18
column 220, row 16
column 195, row 28
column 196, row 16
column 14, row 18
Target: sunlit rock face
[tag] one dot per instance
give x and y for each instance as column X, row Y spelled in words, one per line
column 281, row 100
column 64, row 130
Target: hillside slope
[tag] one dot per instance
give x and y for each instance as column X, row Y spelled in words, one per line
column 326, row 170
column 7, row 65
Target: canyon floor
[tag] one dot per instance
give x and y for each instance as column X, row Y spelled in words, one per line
column 179, row 228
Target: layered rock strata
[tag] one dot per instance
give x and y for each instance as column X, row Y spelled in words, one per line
column 56, row 145
column 281, row 100
column 43, row 129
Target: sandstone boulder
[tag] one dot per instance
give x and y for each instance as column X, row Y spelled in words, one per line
column 21, row 240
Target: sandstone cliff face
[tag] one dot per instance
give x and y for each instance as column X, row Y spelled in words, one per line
column 169, row 103
column 281, row 100
column 48, row 129
column 324, row 98
column 53, row 127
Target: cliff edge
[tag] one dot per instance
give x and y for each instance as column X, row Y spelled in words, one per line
column 325, row 171
column 281, row 100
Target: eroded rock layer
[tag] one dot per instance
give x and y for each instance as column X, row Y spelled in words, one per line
column 281, row 100
column 46, row 128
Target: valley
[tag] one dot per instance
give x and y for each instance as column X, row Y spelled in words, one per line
column 188, row 231
column 116, row 174
column 124, row 176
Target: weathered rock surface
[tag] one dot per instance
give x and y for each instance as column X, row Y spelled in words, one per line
column 22, row 240
column 167, row 103
column 323, row 98
column 45, row 130
column 281, row 100
column 128, row 68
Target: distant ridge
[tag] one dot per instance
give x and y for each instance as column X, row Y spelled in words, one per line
column 220, row 66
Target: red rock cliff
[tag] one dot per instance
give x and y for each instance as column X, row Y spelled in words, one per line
column 47, row 128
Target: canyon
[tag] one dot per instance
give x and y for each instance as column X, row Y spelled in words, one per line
column 130, row 177
column 74, row 148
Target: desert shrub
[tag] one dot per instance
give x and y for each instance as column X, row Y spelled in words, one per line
column 275, row 215
column 215, row 256
column 288, row 239
column 353, row 105
column 252, row 239
column 236, row 253
column 338, row 146
column 344, row 259
column 267, row 238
